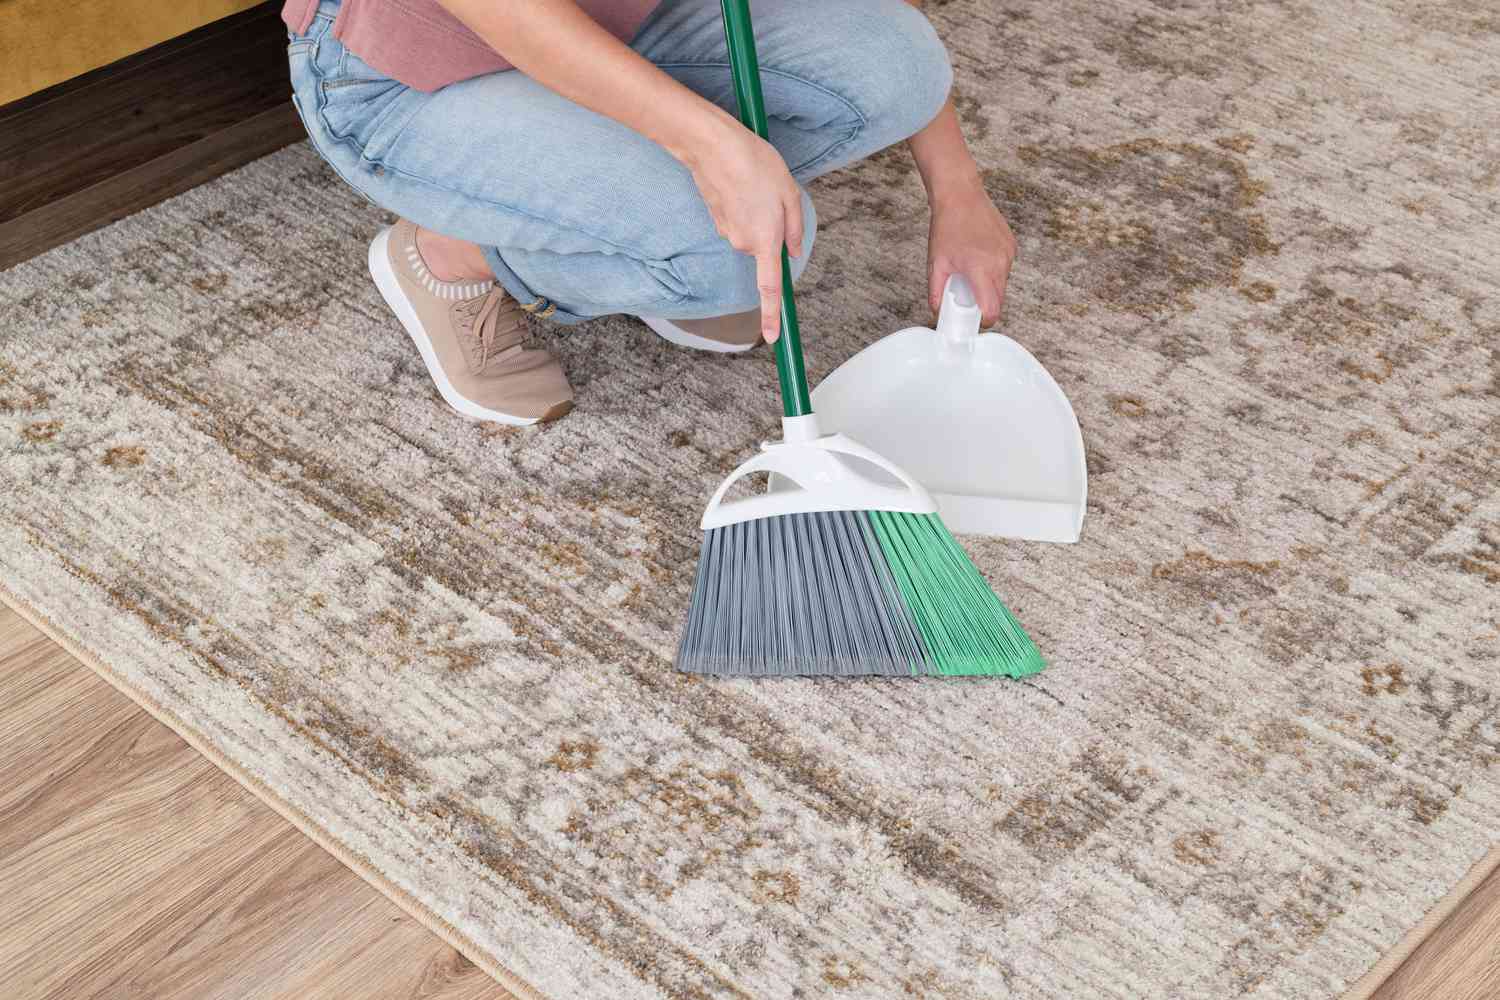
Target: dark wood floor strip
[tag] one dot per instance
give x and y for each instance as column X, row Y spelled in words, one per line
column 92, row 150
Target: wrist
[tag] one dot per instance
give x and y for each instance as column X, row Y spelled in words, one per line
column 959, row 185
column 695, row 136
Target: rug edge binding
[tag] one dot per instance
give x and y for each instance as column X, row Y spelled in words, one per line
column 357, row 863
column 1364, row 988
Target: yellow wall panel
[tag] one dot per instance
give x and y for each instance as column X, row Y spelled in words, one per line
column 43, row 42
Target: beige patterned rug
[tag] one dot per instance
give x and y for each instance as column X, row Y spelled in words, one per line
column 1260, row 248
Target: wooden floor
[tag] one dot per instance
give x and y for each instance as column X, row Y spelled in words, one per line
column 130, row 866
column 1458, row 961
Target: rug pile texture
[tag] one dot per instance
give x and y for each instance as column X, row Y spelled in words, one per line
column 1260, row 246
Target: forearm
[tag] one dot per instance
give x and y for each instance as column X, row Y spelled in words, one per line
column 943, row 158
column 555, row 43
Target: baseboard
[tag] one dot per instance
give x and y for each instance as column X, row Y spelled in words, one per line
column 86, row 152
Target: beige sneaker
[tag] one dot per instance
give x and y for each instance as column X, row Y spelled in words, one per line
column 470, row 335
column 721, row 334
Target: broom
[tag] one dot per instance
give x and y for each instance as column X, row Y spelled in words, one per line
column 844, row 567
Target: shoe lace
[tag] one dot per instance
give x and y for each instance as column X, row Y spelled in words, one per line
column 497, row 328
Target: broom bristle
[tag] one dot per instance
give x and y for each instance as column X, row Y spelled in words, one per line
column 847, row 593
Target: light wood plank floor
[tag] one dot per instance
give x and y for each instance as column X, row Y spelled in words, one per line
column 130, row 866
column 1460, row 960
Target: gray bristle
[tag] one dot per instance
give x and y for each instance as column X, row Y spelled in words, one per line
column 798, row 594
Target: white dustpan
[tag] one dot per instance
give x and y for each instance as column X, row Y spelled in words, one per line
column 972, row 417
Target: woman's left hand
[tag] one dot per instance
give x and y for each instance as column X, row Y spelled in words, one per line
column 969, row 236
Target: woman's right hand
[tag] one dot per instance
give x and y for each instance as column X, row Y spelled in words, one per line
column 756, row 206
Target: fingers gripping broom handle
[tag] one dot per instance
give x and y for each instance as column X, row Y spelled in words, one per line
column 745, row 67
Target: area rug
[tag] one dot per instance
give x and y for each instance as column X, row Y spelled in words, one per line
column 1259, row 250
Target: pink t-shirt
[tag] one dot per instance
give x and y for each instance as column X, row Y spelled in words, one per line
column 422, row 45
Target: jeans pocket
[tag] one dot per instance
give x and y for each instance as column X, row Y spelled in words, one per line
column 357, row 101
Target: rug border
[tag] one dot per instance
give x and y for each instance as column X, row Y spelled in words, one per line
column 1366, row 985
column 1362, row 989
column 514, row 985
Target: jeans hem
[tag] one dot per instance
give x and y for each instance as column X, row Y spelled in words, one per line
column 537, row 305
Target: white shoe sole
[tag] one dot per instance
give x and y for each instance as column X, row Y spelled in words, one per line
column 390, row 290
column 671, row 332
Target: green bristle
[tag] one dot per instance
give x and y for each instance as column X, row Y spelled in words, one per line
column 966, row 628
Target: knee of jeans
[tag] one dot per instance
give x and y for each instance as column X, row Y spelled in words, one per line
column 723, row 282
column 904, row 69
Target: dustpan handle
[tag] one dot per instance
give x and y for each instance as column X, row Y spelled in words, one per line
column 745, row 68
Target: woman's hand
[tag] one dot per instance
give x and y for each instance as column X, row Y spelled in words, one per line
column 756, row 206
column 970, row 237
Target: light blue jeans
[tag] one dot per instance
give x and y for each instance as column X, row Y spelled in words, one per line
column 579, row 215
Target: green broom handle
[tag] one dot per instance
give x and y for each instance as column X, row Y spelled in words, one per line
column 745, row 68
